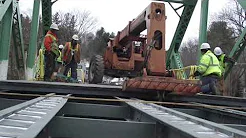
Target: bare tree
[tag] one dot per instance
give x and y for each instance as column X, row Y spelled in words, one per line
column 189, row 52
column 235, row 16
column 86, row 23
column 75, row 22
column 220, row 34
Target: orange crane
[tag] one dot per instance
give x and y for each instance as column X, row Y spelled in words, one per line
column 141, row 58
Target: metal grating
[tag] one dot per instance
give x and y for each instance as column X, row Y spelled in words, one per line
column 194, row 127
column 30, row 120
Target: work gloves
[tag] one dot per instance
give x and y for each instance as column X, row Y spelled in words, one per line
column 197, row 73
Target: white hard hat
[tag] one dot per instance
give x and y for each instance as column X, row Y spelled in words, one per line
column 218, row 51
column 61, row 46
column 54, row 26
column 205, row 46
column 75, row 37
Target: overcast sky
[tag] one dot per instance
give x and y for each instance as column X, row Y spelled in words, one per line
column 114, row 15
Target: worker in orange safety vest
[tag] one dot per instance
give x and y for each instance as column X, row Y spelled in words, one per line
column 51, row 51
column 71, row 56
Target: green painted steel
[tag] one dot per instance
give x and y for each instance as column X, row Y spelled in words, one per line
column 176, row 62
column 33, row 36
column 99, row 128
column 173, row 56
column 49, row 108
column 239, row 46
column 6, row 27
column 236, row 51
column 242, row 3
column 46, row 15
column 4, row 8
column 95, row 110
column 18, row 43
column 203, row 25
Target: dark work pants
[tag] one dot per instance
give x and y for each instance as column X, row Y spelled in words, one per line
column 209, row 84
column 50, row 64
column 73, row 66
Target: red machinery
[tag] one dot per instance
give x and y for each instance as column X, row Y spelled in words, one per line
column 141, row 58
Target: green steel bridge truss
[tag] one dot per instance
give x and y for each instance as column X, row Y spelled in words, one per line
column 10, row 25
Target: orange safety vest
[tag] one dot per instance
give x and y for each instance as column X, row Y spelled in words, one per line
column 54, row 45
column 65, row 57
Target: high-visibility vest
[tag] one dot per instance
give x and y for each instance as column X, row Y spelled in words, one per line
column 59, row 59
column 54, row 45
column 65, row 56
column 222, row 63
column 209, row 64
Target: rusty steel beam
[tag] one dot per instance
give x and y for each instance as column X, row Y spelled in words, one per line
column 184, row 87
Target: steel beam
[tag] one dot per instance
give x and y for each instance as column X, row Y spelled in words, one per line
column 27, row 119
column 18, row 50
column 95, row 128
column 217, row 115
column 5, row 33
column 104, row 90
column 35, row 128
column 8, row 111
column 32, row 49
column 225, row 116
column 238, row 115
column 46, row 15
column 203, row 25
column 4, row 7
column 239, row 47
column 186, row 125
column 135, row 115
column 191, row 111
column 173, row 56
column 236, row 51
column 236, row 126
column 95, row 110
column 65, row 88
column 208, row 99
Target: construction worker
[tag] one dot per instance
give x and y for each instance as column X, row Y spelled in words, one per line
column 208, row 70
column 51, row 51
column 222, row 59
column 71, row 56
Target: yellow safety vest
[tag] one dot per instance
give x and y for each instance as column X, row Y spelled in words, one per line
column 71, row 48
column 59, row 59
column 209, row 64
column 222, row 64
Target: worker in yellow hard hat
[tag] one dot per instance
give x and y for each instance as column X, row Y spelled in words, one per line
column 209, row 70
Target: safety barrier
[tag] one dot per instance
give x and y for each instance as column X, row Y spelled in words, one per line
column 179, row 73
